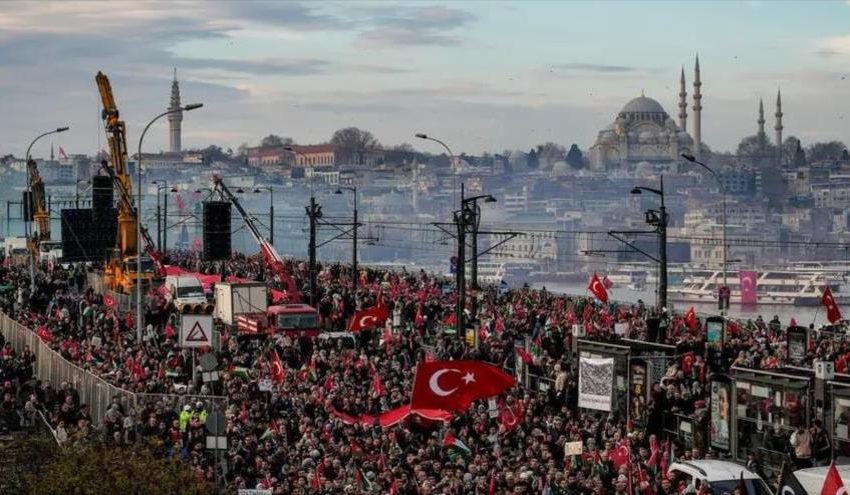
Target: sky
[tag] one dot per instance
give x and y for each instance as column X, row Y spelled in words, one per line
column 480, row 75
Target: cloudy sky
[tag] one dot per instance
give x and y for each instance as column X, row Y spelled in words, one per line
column 484, row 76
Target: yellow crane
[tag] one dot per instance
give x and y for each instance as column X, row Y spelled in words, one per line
column 40, row 214
column 121, row 267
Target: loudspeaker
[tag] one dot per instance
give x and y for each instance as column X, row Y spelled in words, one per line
column 83, row 239
column 101, row 196
column 652, row 325
column 216, row 230
column 27, row 206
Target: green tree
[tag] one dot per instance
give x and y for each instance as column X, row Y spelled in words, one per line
column 756, row 147
column 98, row 469
column 831, row 150
column 533, row 159
column 575, row 158
column 275, row 140
column 353, row 144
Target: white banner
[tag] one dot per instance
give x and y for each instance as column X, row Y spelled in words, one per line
column 595, row 383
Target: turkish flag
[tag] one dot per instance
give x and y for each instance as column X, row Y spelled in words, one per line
column 620, row 455
column 691, row 319
column 277, row 368
column 524, row 355
column 598, row 289
column 368, row 318
column 832, row 312
column 454, row 385
column 108, row 300
column 833, row 485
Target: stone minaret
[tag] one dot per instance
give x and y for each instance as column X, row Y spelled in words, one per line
column 683, row 103
column 697, row 112
column 778, row 127
column 761, row 119
column 174, row 119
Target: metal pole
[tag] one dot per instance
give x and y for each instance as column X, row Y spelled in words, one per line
column 354, row 272
column 164, row 247
column 662, row 237
column 461, row 267
column 312, row 214
column 271, row 215
column 158, row 225
column 476, row 212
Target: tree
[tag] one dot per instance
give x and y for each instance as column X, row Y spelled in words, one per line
column 213, row 153
column 549, row 153
column 575, row 158
column 756, row 147
column 274, row 140
column 99, row 469
column 533, row 159
column 831, row 150
column 353, row 144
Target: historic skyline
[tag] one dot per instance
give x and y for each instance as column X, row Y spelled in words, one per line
column 485, row 76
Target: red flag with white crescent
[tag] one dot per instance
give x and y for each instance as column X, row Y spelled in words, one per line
column 597, row 288
column 832, row 312
column 454, row 385
column 277, row 368
column 369, row 318
column 833, row 485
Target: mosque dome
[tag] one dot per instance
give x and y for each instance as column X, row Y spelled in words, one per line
column 560, row 169
column 643, row 104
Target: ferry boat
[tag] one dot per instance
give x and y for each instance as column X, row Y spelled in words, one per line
column 790, row 288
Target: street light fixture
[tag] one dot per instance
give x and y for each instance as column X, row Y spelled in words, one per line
column 451, row 157
column 354, row 271
column 189, row 107
column 692, row 159
column 28, row 207
column 659, row 220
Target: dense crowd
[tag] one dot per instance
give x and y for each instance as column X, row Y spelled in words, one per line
column 314, row 432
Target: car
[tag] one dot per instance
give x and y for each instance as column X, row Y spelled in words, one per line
column 722, row 476
column 812, row 479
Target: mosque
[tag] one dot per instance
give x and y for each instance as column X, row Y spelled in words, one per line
column 644, row 132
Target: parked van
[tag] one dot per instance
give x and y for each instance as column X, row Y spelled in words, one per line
column 187, row 294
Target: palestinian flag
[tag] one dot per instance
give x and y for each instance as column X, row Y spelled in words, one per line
column 239, row 371
column 455, row 447
column 536, row 347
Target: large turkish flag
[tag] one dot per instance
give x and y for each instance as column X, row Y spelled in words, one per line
column 454, row 385
column 597, row 288
column 369, row 318
column 832, row 312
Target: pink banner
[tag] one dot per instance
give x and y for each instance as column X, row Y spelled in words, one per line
column 749, row 286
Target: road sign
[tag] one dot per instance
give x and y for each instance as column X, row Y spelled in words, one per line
column 196, row 330
column 216, row 424
column 208, row 362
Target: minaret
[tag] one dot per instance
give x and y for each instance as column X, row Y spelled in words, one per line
column 174, row 119
column 51, row 152
column 761, row 119
column 778, row 127
column 697, row 112
column 683, row 103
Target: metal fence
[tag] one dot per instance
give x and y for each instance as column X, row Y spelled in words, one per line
column 94, row 391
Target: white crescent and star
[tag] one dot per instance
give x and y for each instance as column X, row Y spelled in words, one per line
column 277, row 368
column 596, row 287
column 368, row 320
column 748, row 281
column 434, row 385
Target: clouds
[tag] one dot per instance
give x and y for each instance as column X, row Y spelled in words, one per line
column 835, row 45
column 415, row 26
column 596, row 68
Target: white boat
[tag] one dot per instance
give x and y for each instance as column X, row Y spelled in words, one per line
column 790, row 288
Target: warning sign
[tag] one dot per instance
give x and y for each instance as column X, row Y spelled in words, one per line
column 196, row 331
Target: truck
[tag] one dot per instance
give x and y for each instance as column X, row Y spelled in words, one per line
column 234, row 299
column 187, row 294
column 50, row 251
column 16, row 248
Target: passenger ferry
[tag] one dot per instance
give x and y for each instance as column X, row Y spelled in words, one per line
column 791, row 288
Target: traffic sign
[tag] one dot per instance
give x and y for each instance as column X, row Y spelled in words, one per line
column 216, row 424
column 196, row 330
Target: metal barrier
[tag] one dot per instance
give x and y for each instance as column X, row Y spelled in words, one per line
column 94, row 391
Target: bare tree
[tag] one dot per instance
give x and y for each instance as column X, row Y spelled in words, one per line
column 275, row 140
column 354, row 144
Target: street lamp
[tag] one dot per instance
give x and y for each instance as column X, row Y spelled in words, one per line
column 692, row 159
column 660, row 222
column 354, row 272
column 259, row 189
column 451, row 157
column 474, row 218
column 28, row 205
column 187, row 108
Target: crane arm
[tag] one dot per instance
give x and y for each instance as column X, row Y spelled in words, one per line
column 270, row 255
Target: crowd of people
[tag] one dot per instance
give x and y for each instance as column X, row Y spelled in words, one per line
column 315, row 431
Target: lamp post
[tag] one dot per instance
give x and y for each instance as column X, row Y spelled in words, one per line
column 660, row 222
column 187, row 108
column 451, row 157
column 270, row 189
column 28, row 205
column 692, row 159
column 354, row 273
column 161, row 184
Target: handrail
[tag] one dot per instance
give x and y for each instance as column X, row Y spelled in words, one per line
column 49, row 428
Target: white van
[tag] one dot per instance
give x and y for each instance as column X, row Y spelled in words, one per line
column 50, row 251
column 812, row 478
column 187, row 294
column 722, row 476
column 16, row 246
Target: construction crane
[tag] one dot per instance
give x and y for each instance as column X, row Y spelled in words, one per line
column 268, row 251
column 40, row 214
column 121, row 270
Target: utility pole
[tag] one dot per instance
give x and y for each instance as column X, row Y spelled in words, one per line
column 314, row 213
column 662, row 248
column 158, row 225
column 460, row 268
